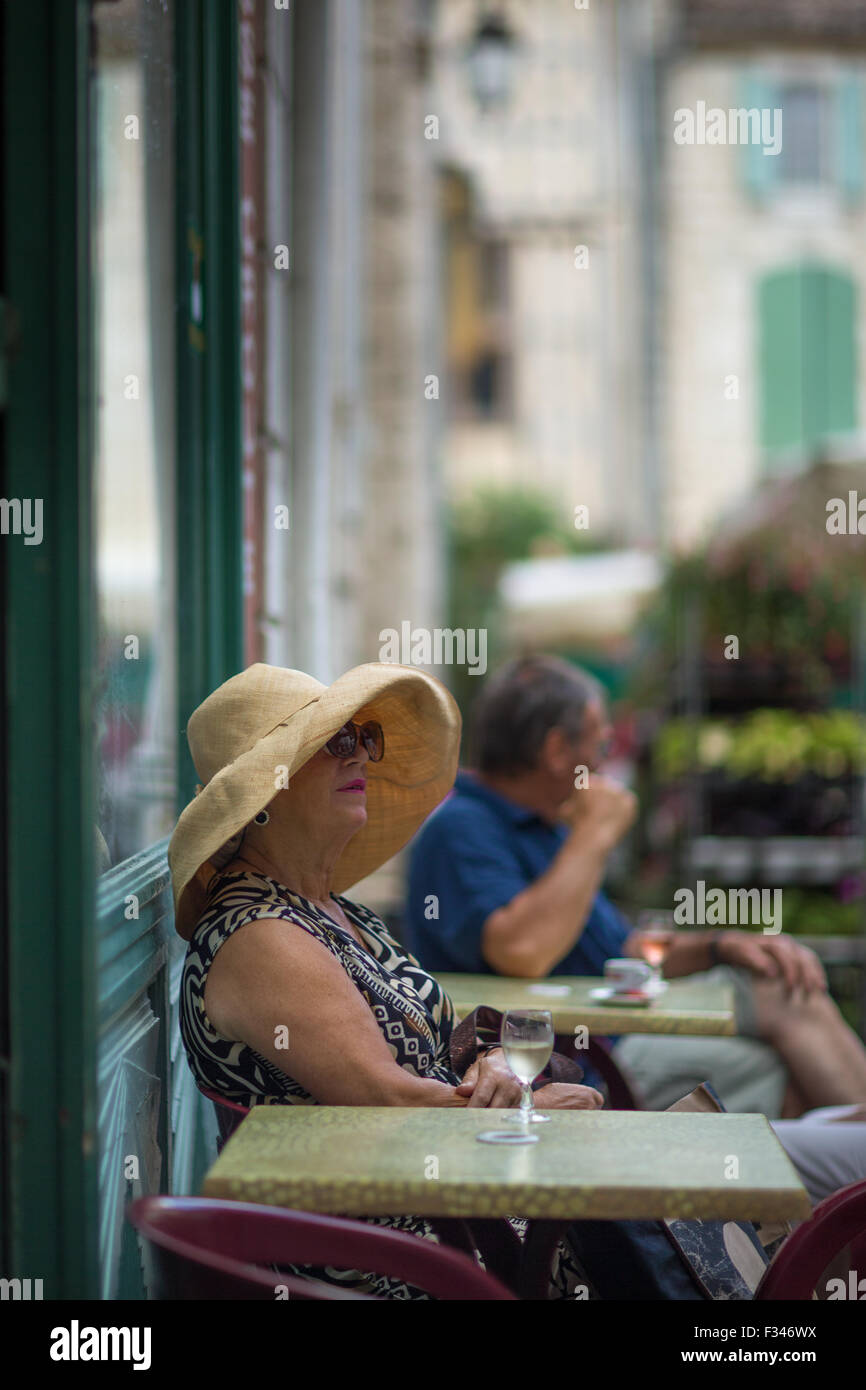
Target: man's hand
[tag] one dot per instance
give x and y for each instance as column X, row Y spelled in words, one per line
column 773, row 956
column 490, row 1082
column 561, row 1095
column 603, row 808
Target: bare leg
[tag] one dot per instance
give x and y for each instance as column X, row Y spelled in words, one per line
column 825, row 1058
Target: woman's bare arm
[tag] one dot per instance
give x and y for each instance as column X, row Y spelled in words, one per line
column 272, row 976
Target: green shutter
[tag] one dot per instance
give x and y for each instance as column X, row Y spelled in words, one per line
column 807, row 357
column 781, row 359
column 759, row 169
column 849, row 136
column 813, row 337
column 840, row 353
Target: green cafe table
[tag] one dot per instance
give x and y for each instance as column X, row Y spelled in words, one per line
column 690, row 1005
column 602, row 1164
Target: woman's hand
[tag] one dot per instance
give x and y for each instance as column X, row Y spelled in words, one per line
column 490, row 1082
column 562, row 1095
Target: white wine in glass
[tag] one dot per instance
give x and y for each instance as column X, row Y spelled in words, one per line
column 527, row 1041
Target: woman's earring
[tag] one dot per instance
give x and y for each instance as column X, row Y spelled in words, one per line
column 262, row 818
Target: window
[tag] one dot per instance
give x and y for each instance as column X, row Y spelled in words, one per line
column 806, row 153
column 822, row 134
column 134, row 310
column 480, row 348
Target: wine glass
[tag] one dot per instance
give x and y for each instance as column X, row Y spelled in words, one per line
column 527, row 1041
column 656, row 936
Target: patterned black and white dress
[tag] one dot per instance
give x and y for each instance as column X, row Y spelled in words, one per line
column 415, row 1015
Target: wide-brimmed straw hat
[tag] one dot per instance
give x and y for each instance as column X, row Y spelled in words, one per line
column 261, row 726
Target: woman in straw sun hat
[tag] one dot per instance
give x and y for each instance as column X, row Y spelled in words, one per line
column 306, row 789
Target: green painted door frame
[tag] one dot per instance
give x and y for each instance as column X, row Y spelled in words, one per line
column 53, row 936
column 210, row 496
column 51, row 1136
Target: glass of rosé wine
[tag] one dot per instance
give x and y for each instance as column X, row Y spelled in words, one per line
column 657, row 931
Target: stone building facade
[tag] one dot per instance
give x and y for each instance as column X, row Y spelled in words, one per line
column 761, row 281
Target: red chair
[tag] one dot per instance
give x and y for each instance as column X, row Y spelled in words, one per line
column 205, row 1248
column 489, row 1237
column 836, row 1223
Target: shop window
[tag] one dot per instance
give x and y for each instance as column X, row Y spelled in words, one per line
column 134, row 313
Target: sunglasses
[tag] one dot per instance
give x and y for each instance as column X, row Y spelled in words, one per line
column 345, row 741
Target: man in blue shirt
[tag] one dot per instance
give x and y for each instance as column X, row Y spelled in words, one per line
column 506, row 875
column 474, row 857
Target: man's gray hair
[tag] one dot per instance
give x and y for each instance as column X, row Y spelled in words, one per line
column 520, row 703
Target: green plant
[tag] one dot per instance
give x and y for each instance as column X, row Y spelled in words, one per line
column 792, row 593
column 490, row 529
column 776, row 745
column 809, row 913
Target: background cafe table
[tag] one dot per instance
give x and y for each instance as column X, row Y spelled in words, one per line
column 377, row 1161
column 694, row 1006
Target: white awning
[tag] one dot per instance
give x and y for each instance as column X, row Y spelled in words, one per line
column 565, row 598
